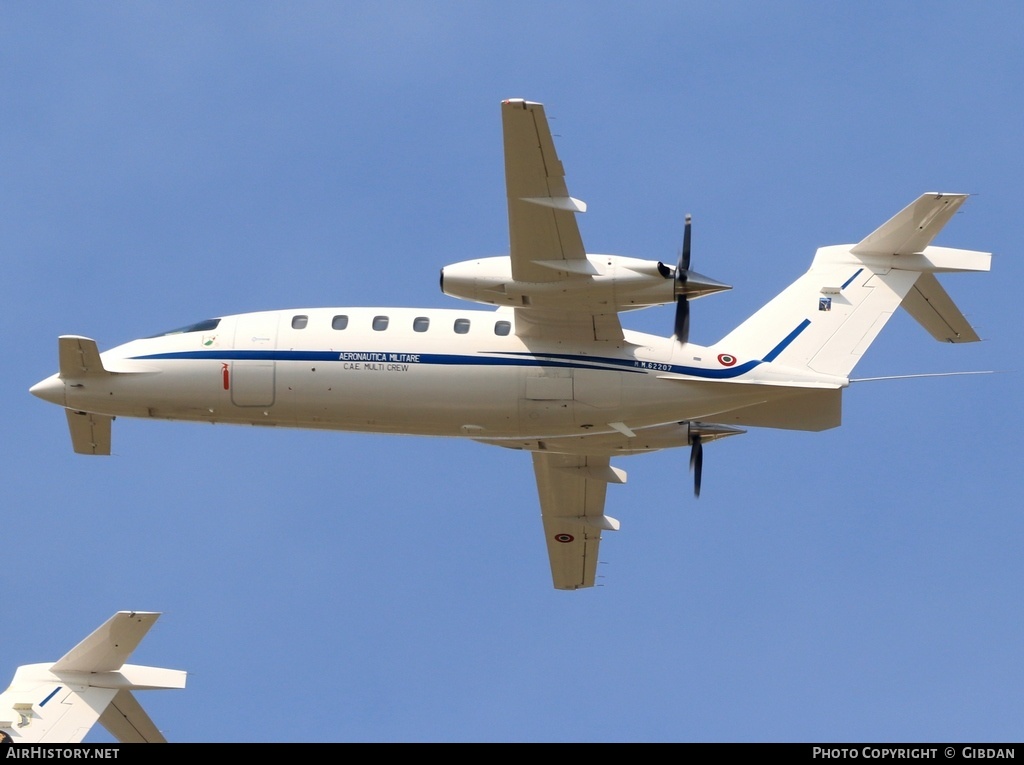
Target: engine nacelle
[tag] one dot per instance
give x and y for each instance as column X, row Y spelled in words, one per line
column 615, row 283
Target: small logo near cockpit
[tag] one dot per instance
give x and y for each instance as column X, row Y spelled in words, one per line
column 726, row 359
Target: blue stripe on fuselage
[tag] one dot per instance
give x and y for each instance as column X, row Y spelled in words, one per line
column 486, row 358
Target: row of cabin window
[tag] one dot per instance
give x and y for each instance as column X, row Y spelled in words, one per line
column 419, row 324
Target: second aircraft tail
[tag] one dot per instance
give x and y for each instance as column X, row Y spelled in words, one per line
column 59, row 703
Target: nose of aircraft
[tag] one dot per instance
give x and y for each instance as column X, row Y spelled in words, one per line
column 51, row 389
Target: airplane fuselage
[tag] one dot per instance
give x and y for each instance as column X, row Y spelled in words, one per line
column 435, row 372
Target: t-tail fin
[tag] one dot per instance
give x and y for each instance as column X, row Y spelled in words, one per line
column 827, row 318
column 59, row 703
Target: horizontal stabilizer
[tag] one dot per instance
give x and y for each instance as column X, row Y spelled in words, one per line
column 108, row 646
column 939, row 260
column 128, row 722
column 912, row 228
column 934, row 310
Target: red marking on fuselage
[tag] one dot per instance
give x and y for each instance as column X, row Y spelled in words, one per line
column 226, row 374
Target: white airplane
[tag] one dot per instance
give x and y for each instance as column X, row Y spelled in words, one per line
column 59, row 703
column 551, row 371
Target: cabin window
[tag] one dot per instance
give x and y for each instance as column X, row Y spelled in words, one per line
column 300, row 321
column 339, row 322
column 502, row 327
column 421, row 324
column 461, row 326
column 380, row 323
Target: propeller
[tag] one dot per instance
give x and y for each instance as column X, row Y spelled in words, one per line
column 687, row 285
column 696, row 462
column 682, row 331
column 697, row 434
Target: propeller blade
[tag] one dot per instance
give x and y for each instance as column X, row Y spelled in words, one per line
column 696, row 463
column 684, row 259
column 682, row 323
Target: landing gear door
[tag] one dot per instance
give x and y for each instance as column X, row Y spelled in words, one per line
column 252, row 371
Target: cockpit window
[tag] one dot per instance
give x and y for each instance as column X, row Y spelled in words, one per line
column 200, row 326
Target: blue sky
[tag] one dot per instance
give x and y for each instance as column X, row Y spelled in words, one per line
column 167, row 162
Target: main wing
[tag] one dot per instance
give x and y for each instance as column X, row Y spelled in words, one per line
column 545, row 247
column 572, row 490
column 544, row 239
